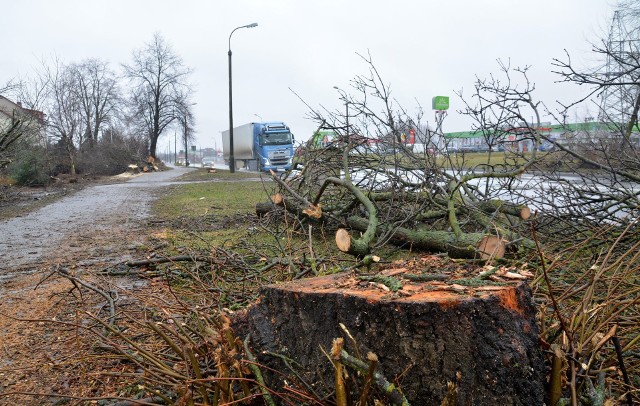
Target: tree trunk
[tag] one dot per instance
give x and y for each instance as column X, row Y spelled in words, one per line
column 468, row 245
column 299, row 210
column 482, row 340
column 346, row 243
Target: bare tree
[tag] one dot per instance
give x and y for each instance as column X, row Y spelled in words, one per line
column 185, row 120
column 97, row 90
column 603, row 154
column 65, row 108
column 159, row 81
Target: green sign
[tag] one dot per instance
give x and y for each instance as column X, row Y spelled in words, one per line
column 440, row 103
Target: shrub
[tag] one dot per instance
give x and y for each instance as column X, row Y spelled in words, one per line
column 110, row 158
column 30, row 167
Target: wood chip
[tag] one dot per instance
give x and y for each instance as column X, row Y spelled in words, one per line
column 513, row 275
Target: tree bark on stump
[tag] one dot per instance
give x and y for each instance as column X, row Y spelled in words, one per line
column 483, row 341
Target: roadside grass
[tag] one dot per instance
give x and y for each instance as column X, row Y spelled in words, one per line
column 200, row 174
column 218, row 219
column 548, row 161
column 223, row 198
column 473, row 159
column 467, row 160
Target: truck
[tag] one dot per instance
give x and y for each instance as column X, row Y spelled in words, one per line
column 260, row 146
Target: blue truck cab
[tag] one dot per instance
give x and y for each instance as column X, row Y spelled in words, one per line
column 273, row 146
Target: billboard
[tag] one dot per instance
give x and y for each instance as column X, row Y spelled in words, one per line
column 440, row 103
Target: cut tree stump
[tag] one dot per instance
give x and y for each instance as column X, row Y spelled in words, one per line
column 427, row 335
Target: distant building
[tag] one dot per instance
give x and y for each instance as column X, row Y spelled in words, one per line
column 521, row 138
column 30, row 122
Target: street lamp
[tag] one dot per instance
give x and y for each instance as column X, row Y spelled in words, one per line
column 259, row 116
column 232, row 161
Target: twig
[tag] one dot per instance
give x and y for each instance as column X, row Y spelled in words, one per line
column 287, row 362
column 341, row 390
column 256, row 371
column 623, row 369
column 112, row 306
column 147, row 401
column 351, row 338
column 288, row 188
column 543, row 264
column 390, row 390
column 368, row 380
column 163, row 260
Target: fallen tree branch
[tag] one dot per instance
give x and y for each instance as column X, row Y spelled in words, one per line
column 468, row 245
column 163, row 260
column 77, row 281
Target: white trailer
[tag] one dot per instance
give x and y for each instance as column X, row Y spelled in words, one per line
column 242, row 143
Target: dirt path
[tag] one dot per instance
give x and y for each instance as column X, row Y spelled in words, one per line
column 83, row 233
column 93, row 211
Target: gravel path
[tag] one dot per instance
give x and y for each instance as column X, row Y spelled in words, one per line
column 34, row 237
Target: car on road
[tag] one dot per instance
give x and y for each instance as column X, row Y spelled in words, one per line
column 208, row 162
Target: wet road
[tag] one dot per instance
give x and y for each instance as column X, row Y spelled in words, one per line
column 28, row 239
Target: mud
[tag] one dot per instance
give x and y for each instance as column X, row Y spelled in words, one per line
column 95, row 210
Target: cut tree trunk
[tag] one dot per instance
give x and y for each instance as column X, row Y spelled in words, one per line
column 468, row 245
column 482, row 340
column 346, row 243
column 299, row 210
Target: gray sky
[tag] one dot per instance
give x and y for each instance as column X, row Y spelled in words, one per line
column 422, row 48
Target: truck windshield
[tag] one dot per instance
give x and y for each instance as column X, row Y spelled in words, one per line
column 275, row 139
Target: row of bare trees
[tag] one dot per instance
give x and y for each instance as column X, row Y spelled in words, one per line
column 86, row 106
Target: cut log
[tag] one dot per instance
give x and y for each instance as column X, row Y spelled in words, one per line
column 277, row 199
column 264, row 208
column 468, row 245
column 482, row 340
column 346, row 243
column 133, row 168
column 491, row 246
column 311, row 212
column 519, row 210
column 343, row 240
column 525, row 213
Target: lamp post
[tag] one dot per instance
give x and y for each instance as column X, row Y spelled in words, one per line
column 186, row 141
column 232, row 161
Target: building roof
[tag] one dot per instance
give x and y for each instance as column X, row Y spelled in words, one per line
column 9, row 107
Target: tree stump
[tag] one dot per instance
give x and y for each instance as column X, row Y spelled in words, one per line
column 427, row 335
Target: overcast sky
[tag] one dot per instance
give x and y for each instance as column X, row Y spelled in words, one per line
column 422, row 48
